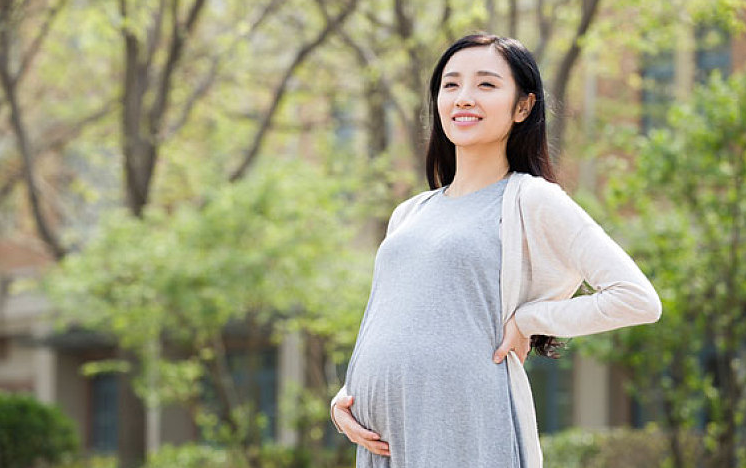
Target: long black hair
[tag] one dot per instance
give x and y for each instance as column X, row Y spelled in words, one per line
column 527, row 147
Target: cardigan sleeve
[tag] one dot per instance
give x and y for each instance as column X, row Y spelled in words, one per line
column 568, row 236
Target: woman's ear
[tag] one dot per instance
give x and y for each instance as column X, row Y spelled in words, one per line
column 524, row 107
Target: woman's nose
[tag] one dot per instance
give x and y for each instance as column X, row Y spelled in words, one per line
column 464, row 99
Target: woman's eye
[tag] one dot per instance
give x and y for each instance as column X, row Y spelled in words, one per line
column 487, row 84
column 448, row 85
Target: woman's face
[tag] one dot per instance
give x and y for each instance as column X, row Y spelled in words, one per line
column 476, row 98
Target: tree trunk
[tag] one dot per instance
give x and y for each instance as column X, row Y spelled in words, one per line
column 675, row 425
column 9, row 80
column 376, row 129
column 316, row 383
column 142, row 125
column 562, row 79
column 130, row 417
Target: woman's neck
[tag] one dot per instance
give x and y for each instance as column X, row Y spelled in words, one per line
column 477, row 168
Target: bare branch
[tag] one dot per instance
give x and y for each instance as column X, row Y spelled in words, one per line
column 302, row 54
column 124, row 11
column 489, row 5
column 5, row 282
column 589, row 8
column 413, row 78
column 179, row 35
column 445, row 24
column 55, row 142
column 322, row 8
column 378, row 22
column 368, row 58
column 545, row 31
column 8, row 82
column 545, row 26
column 268, row 10
column 199, row 92
column 43, row 226
column 133, row 91
column 30, row 54
column 403, row 22
column 7, row 186
column 154, row 33
column 209, row 79
column 513, row 18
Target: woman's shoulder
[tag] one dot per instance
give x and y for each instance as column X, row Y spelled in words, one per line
column 410, row 203
column 535, row 190
column 414, row 200
column 548, row 201
column 407, row 206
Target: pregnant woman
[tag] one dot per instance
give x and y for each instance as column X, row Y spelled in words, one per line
column 473, row 274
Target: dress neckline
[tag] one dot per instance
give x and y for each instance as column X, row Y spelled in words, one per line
column 441, row 191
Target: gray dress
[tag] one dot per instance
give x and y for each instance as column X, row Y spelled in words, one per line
column 421, row 371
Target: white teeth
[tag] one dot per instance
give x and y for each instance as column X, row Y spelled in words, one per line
column 466, row 119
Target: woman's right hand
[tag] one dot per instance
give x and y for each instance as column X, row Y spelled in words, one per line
column 354, row 431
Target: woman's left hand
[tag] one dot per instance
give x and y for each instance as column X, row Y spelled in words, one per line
column 513, row 340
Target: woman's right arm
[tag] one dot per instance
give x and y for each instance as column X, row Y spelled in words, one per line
column 340, row 394
column 354, row 431
column 623, row 294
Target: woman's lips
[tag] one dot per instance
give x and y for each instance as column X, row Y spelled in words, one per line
column 466, row 121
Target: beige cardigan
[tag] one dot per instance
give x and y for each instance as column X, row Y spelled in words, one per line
column 549, row 246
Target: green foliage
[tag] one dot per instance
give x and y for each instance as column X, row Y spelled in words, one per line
column 688, row 191
column 275, row 247
column 31, row 431
column 96, row 461
column 614, row 448
column 269, row 456
column 569, row 449
column 271, row 252
column 193, row 456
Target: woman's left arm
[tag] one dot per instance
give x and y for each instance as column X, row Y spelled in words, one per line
column 623, row 295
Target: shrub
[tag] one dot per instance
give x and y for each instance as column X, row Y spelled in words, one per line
column 569, row 449
column 191, row 456
column 194, row 455
column 31, row 431
column 92, row 461
column 614, row 448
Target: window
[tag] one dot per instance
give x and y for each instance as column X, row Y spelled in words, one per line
column 104, row 394
column 4, row 347
column 646, row 411
column 551, row 384
column 344, row 124
column 658, row 82
column 255, row 375
column 712, row 53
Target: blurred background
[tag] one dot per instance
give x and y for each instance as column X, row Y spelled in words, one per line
column 192, row 193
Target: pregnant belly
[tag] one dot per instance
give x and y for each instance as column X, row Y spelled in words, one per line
column 398, row 375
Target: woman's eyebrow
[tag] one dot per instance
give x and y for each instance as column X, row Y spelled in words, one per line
column 479, row 73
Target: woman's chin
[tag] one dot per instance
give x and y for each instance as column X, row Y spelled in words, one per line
column 467, row 143
column 462, row 140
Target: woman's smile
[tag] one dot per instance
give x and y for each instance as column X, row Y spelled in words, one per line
column 466, row 119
